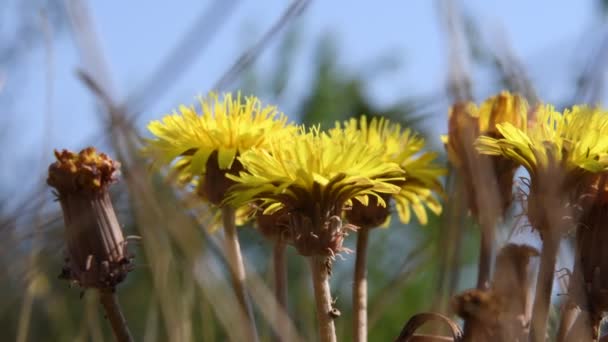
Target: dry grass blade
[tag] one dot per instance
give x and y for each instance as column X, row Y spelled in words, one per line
column 459, row 89
column 89, row 48
column 192, row 44
column 28, row 301
column 459, row 80
column 513, row 71
column 292, row 11
column 591, row 81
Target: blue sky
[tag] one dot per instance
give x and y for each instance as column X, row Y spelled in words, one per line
column 136, row 35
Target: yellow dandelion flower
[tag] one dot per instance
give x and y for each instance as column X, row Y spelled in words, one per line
column 577, row 141
column 559, row 151
column 467, row 122
column 312, row 178
column 403, row 147
column 203, row 148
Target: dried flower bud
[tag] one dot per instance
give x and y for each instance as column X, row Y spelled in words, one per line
column 480, row 305
column 498, row 313
column 487, row 317
column 96, row 248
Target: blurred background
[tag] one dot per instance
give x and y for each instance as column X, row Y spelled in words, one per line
column 78, row 73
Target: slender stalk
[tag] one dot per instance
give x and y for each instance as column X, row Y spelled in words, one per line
column 237, row 271
column 320, row 281
column 360, row 287
column 485, row 253
column 280, row 289
column 544, row 287
column 109, row 301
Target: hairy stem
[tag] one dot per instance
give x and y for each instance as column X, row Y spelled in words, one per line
column 360, row 287
column 544, row 287
column 109, row 301
column 320, row 281
column 237, row 271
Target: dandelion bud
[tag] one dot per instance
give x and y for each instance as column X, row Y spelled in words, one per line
column 371, row 215
column 215, row 184
column 274, row 226
column 96, row 248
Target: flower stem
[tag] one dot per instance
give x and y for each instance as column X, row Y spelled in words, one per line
column 109, row 301
column 320, row 281
column 360, row 287
column 237, row 271
column 544, row 286
column 472, row 329
column 485, row 254
column 280, row 289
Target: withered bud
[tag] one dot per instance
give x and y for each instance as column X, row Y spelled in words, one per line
column 480, row 305
column 486, row 316
column 97, row 255
column 215, row 184
column 499, row 313
column 371, row 215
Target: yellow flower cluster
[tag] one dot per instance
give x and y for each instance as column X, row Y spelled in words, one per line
column 239, row 152
column 314, row 168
